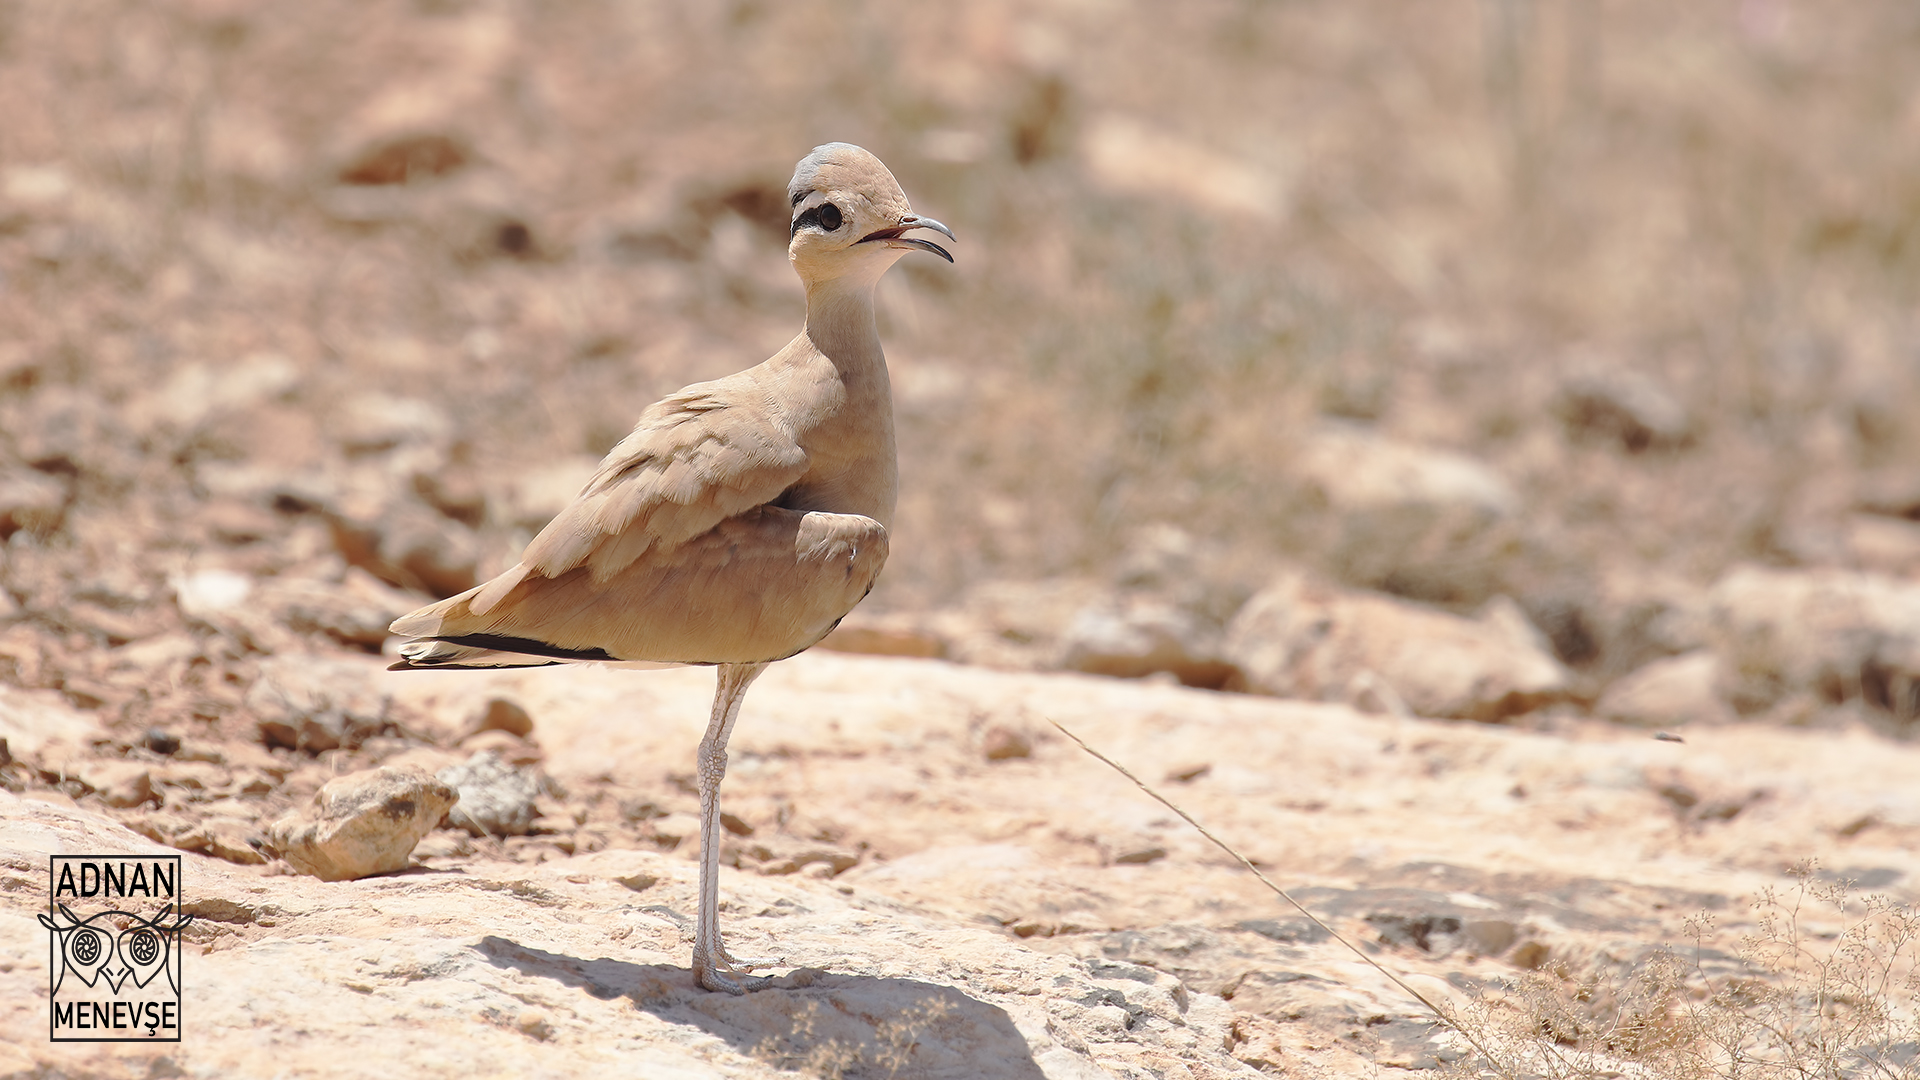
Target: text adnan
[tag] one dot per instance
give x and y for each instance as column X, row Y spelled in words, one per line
column 116, row 878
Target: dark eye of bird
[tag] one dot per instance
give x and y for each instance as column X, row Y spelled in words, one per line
column 825, row 217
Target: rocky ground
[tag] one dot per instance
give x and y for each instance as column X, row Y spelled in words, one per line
column 959, row 891
column 1379, row 425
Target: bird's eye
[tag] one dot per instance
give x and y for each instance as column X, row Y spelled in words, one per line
column 826, row 217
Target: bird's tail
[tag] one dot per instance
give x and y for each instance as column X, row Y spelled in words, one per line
column 419, row 655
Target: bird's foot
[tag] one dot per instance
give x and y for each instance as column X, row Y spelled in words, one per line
column 752, row 963
column 723, row 975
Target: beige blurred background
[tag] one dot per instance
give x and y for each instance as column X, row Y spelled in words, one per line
column 1582, row 303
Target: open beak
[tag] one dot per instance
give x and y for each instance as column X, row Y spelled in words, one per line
column 893, row 237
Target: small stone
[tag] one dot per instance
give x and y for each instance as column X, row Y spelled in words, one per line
column 355, row 611
column 1610, row 403
column 31, row 500
column 511, row 748
column 496, row 798
column 407, row 544
column 1826, row 633
column 1490, row 937
column 1186, row 774
column 534, row 1025
column 205, row 594
column 161, row 742
column 223, row 839
column 1530, row 956
column 1142, row 856
column 1132, row 637
column 1302, row 638
column 1858, row 825
column 362, row 823
column 638, row 882
column 120, row 783
column 500, row 714
column 441, row 844
column 1667, row 692
column 1002, row 743
column 735, row 825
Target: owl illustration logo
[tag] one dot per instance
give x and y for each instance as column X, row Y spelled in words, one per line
column 114, row 960
column 95, row 949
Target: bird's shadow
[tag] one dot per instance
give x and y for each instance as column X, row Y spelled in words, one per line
column 824, row 1024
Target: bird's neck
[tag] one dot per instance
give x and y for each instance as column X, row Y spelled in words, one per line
column 840, row 324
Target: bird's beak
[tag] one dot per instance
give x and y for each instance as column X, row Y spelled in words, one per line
column 893, row 237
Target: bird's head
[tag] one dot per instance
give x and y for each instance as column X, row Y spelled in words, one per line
column 850, row 218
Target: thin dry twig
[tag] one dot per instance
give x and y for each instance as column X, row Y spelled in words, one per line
column 1437, row 1011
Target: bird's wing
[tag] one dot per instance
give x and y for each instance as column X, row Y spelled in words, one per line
column 695, row 459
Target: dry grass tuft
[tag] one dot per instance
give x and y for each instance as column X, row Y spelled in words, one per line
column 1823, row 989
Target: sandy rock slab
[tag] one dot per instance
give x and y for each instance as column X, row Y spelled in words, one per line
column 568, row 969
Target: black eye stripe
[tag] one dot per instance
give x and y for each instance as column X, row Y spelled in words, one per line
column 826, row 217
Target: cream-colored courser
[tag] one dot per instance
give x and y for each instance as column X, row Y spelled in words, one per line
column 742, row 518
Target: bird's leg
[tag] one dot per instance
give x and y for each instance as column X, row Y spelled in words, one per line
column 714, row 969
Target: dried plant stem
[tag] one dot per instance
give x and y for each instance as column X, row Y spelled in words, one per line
column 1437, row 1011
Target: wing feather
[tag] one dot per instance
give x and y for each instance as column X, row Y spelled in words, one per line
column 695, row 459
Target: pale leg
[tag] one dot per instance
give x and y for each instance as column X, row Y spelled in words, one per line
column 712, row 966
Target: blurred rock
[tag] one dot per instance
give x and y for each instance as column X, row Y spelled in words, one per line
column 455, row 491
column 1299, row 638
column 885, row 635
column 1887, row 545
column 1359, row 470
column 210, row 593
column 1131, row 637
column 532, row 498
column 406, row 544
column 232, row 521
column 1002, row 743
column 222, row 838
column 1128, row 157
column 40, row 728
column 160, row 741
column 355, row 611
column 1667, row 693
column 199, row 392
column 511, row 748
column 362, row 823
column 405, row 159
column 499, row 714
column 315, row 703
column 1891, row 493
column 1611, row 404
column 1413, row 520
column 63, row 430
column 119, row 783
column 372, row 423
column 496, row 799
column 1840, row 635
column 1017, row 625
column 31, row 500
column 1634, row 618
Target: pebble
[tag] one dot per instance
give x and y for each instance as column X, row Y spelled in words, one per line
column 362, row 823
column 496, row 798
